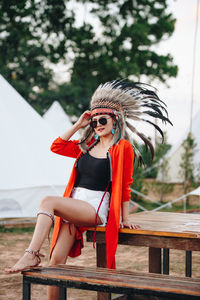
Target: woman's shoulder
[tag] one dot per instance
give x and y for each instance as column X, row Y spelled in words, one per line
column 125, row 143
column 125, row 146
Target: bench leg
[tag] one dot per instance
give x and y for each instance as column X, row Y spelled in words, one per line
column 62, row 293
column 26, row 293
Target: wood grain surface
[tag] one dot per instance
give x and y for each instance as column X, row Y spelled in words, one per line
column 125, row 279
column 163, row 224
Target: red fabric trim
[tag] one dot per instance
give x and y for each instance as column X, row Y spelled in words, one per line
column 102, row 111
column 78, row 244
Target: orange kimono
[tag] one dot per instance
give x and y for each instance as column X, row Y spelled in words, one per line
column 122, row 160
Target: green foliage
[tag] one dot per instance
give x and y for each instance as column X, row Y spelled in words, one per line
column 124, row 45
column 187, row 163
column 138, row 182
column 160, row 189
column 4, row 229
column 36, row 35
column 174, row 207
column 160, row 151
column 33, row 35
column 146, row 204
column 150, row 170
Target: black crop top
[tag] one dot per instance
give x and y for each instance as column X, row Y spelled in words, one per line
column 93, row 173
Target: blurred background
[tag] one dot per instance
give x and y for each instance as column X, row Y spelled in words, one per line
column 53, row 55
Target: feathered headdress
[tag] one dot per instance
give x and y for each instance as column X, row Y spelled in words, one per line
column 127, row 102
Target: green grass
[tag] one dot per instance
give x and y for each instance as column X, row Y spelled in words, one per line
column 4, row 229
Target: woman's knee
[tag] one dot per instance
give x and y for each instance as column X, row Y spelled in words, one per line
column 46, row 202
column 57, row 258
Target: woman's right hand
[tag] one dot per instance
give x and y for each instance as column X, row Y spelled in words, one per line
column 84, row 119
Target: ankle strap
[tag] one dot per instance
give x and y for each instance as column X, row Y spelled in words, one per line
column 34, row 252
column 42, row 212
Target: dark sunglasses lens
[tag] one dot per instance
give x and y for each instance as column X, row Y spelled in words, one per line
column 103, row 121
column 93, row 124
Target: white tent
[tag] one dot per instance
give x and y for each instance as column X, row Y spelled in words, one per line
column 28, row 169
column 58, row 119
column 173, row 172
column 196, row 192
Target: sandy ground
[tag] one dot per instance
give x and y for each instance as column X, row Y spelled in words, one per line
column 12, row 246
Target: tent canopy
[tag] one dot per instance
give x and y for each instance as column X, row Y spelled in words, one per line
column 196, row 192
column 29, row 170
column 26, row 159
column 57, row 118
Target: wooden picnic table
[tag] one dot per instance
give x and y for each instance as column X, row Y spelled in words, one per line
column 159, row 230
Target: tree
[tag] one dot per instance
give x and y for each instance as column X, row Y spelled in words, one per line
column 32, row 37
column 160, row 150
column 150, row 170
column 36, row 35
column 124, row 46
column 187, row 163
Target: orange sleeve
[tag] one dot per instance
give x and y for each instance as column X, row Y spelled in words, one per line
column 127, row 171
column 66, row 148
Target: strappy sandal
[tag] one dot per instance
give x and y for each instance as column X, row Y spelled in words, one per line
column 36, row 254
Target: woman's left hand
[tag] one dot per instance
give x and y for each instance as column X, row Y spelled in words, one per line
column 127, row 224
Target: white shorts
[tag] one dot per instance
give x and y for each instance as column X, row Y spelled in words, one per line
column 94, row 199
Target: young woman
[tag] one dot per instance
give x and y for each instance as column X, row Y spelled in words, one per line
column 98, row 190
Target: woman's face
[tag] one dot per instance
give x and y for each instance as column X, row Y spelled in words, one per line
column 103, row 129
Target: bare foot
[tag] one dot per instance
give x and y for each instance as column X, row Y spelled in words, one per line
column 25, row 262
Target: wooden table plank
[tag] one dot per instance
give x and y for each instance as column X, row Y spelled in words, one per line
column 163, row 224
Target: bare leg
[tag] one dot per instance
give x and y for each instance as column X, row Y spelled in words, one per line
column 41, row 231
column 59, row 256
column 75, row 211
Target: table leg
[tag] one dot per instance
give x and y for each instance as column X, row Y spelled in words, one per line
column 188, row 263
column 101, row 255
column 166, row 261
column 101, row 262
column 154, row 260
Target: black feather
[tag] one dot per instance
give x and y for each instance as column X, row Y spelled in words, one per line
column 157, row 127
column 144, row 139
column 152, row 101
column 156, row 115
column 147, row 143
column 154, row 98
column 154, row 107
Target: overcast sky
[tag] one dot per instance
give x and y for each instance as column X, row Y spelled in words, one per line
column 181, row 45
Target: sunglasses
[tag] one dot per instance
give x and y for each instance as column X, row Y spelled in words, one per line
column 102, row 121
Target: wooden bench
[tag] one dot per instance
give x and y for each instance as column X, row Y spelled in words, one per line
column 134, row 285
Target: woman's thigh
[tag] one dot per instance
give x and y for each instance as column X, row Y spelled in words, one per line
column 75, row 211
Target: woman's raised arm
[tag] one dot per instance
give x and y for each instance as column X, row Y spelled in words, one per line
column 83, row 121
